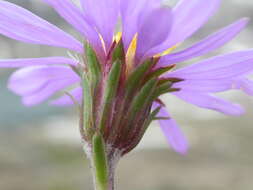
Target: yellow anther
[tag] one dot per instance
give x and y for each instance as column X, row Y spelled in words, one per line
column 166, row 52
column 130, row 55
column 117, row 37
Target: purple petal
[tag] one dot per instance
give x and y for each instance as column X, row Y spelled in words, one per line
column 66, row 100
column 210, row 43
column 173, row 133
column 49, row 90
column 152, row 33
column 204, row 85
column 188, row 18
column 22, row 25
column 226, row 66
column 29, row 80
column 15, row 63
column 131, row 12
column 73, row 15
column 104, row 15
column 210, row 102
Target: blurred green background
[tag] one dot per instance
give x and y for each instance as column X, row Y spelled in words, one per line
column 40, row 146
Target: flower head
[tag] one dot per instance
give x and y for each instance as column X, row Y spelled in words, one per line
column 118, row 76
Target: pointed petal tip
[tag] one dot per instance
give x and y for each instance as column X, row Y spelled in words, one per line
column 245, row 19
column 182, row 149
column 237, row 111
column 27, row 103
column 179, row 144
column 173, row 134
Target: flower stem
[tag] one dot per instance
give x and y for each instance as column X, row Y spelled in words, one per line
column 103, row 165
column 99, row 184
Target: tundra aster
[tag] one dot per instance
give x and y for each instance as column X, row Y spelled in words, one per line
column 118, row 76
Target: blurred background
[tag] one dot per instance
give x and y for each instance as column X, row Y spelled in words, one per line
column 40, row 146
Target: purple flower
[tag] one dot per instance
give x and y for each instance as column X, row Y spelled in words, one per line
column 150, row 30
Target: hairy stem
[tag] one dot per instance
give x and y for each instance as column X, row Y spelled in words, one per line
column 103, row 166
